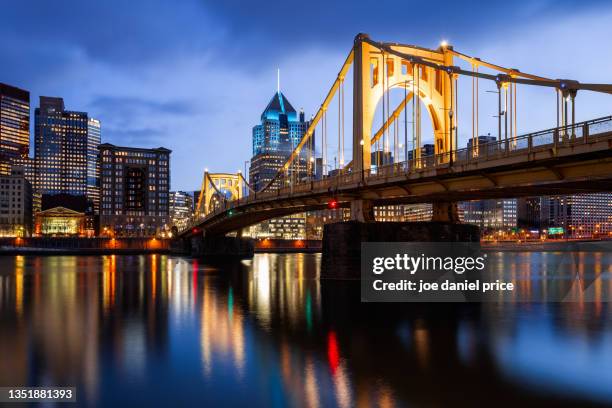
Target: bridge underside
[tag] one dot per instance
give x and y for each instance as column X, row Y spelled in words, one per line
column 543, row 172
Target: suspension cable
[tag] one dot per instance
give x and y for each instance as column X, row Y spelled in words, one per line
column 342, row 96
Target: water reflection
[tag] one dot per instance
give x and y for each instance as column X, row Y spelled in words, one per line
column 269, row 330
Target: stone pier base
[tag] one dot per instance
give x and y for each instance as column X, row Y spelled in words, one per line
column 342, row 241
column 222, row 247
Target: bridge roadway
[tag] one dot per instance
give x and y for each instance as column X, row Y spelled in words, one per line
column 565, row 160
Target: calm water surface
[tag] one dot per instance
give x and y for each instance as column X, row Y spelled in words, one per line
column 161, row 330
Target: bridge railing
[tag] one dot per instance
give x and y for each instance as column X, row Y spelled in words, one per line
column 583, row 132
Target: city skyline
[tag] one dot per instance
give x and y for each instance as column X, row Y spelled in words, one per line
column 145, row 96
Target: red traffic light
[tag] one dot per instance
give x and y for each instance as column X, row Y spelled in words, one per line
column 332, row 204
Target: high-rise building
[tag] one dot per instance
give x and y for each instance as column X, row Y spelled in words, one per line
column 279, row 132
column 181, row 209
column 60, row 149
column 14, row 126
column 63, row 160
column 15, row 204
column 93, row 163
column 135, row 185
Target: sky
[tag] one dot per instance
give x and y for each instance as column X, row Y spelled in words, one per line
column 195, row 75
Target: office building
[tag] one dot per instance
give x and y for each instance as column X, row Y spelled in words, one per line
column 489, row 214
column 15, row 204
column 181, row 209
column 64, row 163
column 529, row 213
column 289, row 227
column 417, row 212
column 94, row 136
column 60, row 149
column 577, row 216
column 135, row 185
column 281, row 129
column 279, row 132
column 14, row 126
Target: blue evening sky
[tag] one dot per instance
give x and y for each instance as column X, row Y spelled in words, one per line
column 194, row 76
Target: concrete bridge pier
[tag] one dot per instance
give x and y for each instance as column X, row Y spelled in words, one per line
column 342, row 240
column 221, row 246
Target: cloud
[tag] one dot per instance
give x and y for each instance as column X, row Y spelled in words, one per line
column 195, row 75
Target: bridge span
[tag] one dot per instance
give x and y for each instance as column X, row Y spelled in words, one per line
column 565, row 160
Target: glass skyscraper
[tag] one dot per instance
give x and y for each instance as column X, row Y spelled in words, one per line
column 14, row 126
column 280, row 130
column 93, row 163
column 60, row 149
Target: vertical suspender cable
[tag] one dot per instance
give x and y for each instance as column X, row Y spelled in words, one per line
column 342, row 96
column 456, row 115
column 339, row 94
column 406, row 118
column 477, row 113
column 510, row 109
column 557, row 98
column 473, row 112
column 514, row 115
column 506, row 112
column 414, row 97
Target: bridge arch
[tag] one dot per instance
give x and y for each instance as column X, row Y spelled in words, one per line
column 217, row 188
column 377, row 72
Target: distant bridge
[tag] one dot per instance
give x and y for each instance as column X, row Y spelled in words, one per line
column 568, row 158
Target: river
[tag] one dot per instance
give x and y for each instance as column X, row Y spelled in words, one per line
column 171, row 331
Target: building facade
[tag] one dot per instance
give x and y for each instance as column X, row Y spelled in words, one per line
column 489, row 214
column 14, row 126
column 135, row 187
column 577, row 216
column 181, row 209
column 15, row 204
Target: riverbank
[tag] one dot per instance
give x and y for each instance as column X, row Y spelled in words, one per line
column 82, row 246
column 550, row 246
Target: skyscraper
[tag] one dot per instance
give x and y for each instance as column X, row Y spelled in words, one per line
column 274, row 139
column 93, row 163
column 60, row 149
column 135, row 185
column 14, row 126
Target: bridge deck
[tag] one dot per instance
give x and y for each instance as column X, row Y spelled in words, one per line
column 561, row 160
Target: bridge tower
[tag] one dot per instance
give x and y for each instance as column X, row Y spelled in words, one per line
column 217, row 188
column 375, row 72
